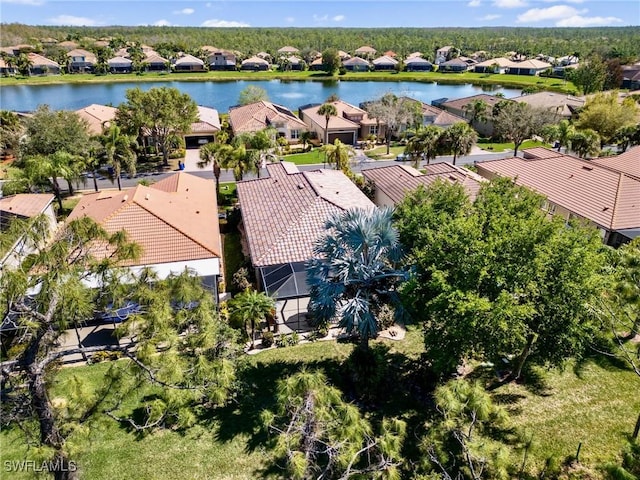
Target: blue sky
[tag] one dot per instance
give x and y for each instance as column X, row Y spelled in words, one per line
column 311, row 13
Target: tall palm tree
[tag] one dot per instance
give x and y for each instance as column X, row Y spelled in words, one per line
column 327, row 110
column 119, row 152
column 237, row 159
column 48, row 169
column 477, row 111
column 251, row 307
column 339, row 154
column 305, row 138
column 458, row 139
column 424, row 143
column 585, row 143
column 24, row 64
column 209, row 155
column 355, row 270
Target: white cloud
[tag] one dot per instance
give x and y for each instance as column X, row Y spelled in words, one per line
column 580, row 21
column 338, row 18
column 184, row 11
column 474, row 3
column 550, row 13
column 161, row 23
column 214, row 22
column 320, row 18
column 208, row 4
column 289, row 19
column 491, row 16
column 25, row 2
column 564, row 1
column 510, row 3
column 74, row 21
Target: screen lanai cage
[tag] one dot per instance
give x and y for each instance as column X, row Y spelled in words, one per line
column 286, row 282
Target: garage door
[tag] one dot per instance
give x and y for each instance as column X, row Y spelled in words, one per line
column 346, row 137
column 198, row 141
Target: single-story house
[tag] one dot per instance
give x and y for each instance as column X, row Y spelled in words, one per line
column 627, row 162
column 602, row 196
column 393, row 182
column 365, row 52
column 264, row 56
column 287, row 51
column 21, row 207
column 292, row 63
column 350, row 124
column 385, row 62
column 222, row 60
column 418, row 64
column 188, row 63
column 205, row 129
column 317, row 64
column 283, row 216
column 42, row 65
column 7, row 69
column 255, row 63
column 457, row 107
column 454, row 65
column 479, row 56
column 98, row 117
column 414, row 54
column 260, row 115
column 120, row 65
column 175, row 221
column 493, row 65
column 528, row 67
column 435, row 116
column 156, row 63
column 390, row 53
column 68, row 45
column 356, row 64
column 564, row 106
column 81, row 61
column 343, row 55
column 631, row 77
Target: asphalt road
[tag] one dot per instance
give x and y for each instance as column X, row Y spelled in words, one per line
column 361, row 162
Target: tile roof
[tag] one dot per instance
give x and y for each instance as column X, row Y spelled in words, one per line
column 39, row 60
column 284, row 214
column 608, row 198
column 535, row 64
column 460, row 103
column 259, row 115
column 339, row 121
column 396, row 181
column 288, row 49
column 97, row 116
column 189, row 60
column 365, row 49
column 563, row 104
column 154, row 58
column 385, row 60
column 26, row 204
column 500, row 61
column 441, row 118
column 79, row 52
column 355, row 61
column 255, row 59
column 417, row 61
column 119, row 61
column 173, row 220
column 208, row 120
column 627, row 162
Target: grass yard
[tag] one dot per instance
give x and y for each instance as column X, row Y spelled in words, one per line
column 312, row 157
column 380, row 153
column 503, row 147
column 233, row 257
column 228, row 193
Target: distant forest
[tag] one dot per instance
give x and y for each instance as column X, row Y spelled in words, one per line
column 608, row 42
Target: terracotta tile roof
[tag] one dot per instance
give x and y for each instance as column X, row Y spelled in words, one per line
column 535, row 64
column 564, row 105
column 396, row 181
column 26, row 204
column 79, row 52
column 154, row 58
column 365, row 49
column 173, row 220
column 355, row 61
column 259, row 115
column 414, row 55
column 284, row 214
column 119, row 61
column 97, row 116
column 339, row 121
column 385, row 60
column 417, row 61
column 460, row 103
column 208, row 120
column 39, row 60
column 608, row 198
column 288, row 49
column 454, row 62
column 188, row 60
column 500, row 61
column 627, row 162
column 255, row 59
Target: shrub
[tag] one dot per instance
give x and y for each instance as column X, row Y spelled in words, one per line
column 288, row 340
column 267, row 339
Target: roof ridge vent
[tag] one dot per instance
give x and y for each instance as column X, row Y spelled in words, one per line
column 587, row 167
column 125, row 198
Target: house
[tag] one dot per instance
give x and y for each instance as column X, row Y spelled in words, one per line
column 264, row 56
column 479, row 56
column 631, row 77
column 317, row 64
column 418, row 64
column 188, row 63
column 356, row 64
column 260, row 115
column 435, row 116
column 390, row 53
column 98, row 117
column 350, row 124
column 23, row 206
column 174, row 221
column 156, row 63
column 68, row 45
column 394, row 182
column 494, row 65
column 42, row 65
column 81, row 61
column 7, row 69
column 222, row 60
column 205, row 129
column 602, row 196
column 627, row 162
column 287, row 51
column 564, row 106
column 457, row 107
column 384, row 62
column 120, row 65
column 255, row 63
column 292, row 63
column 568, row 60
column 456, row 65
column 444, row 53
column 343, row 55
column 365, row 52
column 414, row 55
column 283, row 216
column 528, row 67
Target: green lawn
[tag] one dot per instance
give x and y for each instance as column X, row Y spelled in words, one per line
column 597, row 407
column 450, row 78
column 312, row 157
column 380, row 153
column 228, row 193
column 502, row 147
column 233, row 257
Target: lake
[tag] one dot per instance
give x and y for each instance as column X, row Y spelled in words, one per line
column 222, row 95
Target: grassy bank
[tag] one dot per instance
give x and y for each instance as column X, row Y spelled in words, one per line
column 515, row 81
column 595, row 404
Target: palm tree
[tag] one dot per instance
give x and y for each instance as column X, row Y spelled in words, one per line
column 24, row 64
column 47, row 169
column 355, row 270
column 118, row 151
column 251, row 307
column 305, row 137
column 340, row 154
column 477, row 111
column 328, row 110
column 458, row 139
column 209, row 155
column 237, row 159
column 424, row 143
column 585, row 143
column 561, row 132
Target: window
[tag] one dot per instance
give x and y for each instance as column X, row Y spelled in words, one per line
column 295, row 134
column 552, row 209
column 373, row 130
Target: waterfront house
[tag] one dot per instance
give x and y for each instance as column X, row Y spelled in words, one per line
column 365, row 52
column 97, row 117
column 81, row 61
column 562, row 105
column 7, row 68
column 222, row 60
column 260, row 115
column 42, row 65
column 350, row 124
column 156, row 63
column 356, row 64
column 384, row 63
column 444, row 53
column 204, row 129
column 255, row 63
column 493, row 65
column 528, row 67
column 457, row 107
column 418, row 64
column 456, row 65
column 188, row 63
column 120, row 65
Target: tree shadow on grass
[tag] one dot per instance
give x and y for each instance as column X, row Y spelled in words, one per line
column 610, row 363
